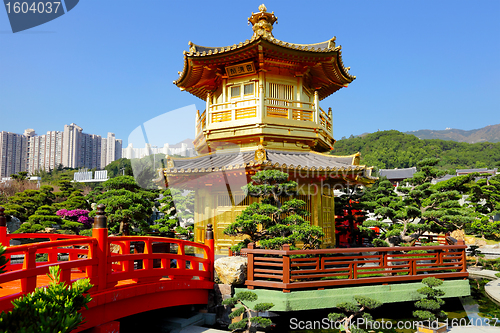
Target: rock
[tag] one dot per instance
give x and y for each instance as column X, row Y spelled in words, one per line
column 480, row 242
column 13, row 224
column 458, row 234
column 231, row 270
column 470, row 240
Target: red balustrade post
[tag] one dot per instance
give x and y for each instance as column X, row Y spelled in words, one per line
column 464, row 256
column 250, row 264
column 3, row 228
column 286, row 267
column 28, row 284
column 100, row 232
column 209, row 241
column 4, row 240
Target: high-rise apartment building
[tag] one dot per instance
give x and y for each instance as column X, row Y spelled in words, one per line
column 111, row 149
column 45, row 151
column 71, row 148
column 13, row 149
column 72, row 145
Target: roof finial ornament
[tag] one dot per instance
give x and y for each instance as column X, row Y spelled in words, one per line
column 262, row 22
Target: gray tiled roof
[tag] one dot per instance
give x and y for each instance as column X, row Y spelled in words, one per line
column 482, row 170
column 398, row 173
column 237, row 160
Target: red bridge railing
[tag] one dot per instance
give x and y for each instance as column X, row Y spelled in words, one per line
column 300, row 269
column 110, row 263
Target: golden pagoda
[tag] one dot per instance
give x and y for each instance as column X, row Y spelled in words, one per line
column 262, row 111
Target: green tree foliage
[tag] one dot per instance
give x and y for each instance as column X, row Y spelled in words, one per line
column 44, row 217
column 47, row 310
column 66, row 186
column 270, row 222
column 403, row 217
column 53, row 176
column 430, row 305
column 485, row 199
column 127, row 205
column 120, row 167
column 21, row 175
column 177, row 208
column 245, row 325
column 146, row 170
column 3, row 259
column 76, row 200
column 351, row 310
column 24, row 204
column 393, row 149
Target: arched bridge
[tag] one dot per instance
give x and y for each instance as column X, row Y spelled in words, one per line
column 130, row 274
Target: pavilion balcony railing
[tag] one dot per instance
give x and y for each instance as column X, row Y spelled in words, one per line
column 325, row 120
column 234, row 110
column 289, row 109
column 248, row 108
column 288, row 270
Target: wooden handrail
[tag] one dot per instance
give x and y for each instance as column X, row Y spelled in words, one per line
column 287, row 269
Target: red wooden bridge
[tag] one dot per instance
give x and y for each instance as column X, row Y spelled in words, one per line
column 130, row 274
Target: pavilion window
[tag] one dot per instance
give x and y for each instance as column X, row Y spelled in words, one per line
column 280, row 94
column 235, row 92
column 248, row 89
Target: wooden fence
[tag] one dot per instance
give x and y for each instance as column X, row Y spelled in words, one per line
column 306, row 269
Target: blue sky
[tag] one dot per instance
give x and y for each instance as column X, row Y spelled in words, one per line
column 108, row 65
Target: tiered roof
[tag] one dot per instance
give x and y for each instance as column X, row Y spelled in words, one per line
column 321, row 62
column 218, row 161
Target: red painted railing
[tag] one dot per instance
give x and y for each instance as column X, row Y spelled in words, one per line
column 299, row 269
column 126, row 268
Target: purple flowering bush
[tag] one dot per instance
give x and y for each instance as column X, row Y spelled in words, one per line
column 77, row 215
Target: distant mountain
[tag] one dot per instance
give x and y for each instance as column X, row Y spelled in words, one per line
column 486, row 134
column 393, row 149
column 189, row 143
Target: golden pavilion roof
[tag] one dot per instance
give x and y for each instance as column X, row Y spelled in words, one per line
column 185, row 172
column 322, row 62
column 220, row 161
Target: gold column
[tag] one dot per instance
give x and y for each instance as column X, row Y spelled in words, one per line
column 316, row 107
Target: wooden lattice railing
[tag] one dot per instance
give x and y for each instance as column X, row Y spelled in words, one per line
column 301, row 269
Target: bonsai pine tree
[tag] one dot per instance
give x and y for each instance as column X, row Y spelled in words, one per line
column 430, row 306
column 51, row 309
column 270, row 222
column 24, row 204
column 351, row 310
column 418, row 208
column 127, row 205
column 76, row 200
column 475, row 253
column 485, row 199
column 44, row 217
column 240, row 298
column 20, row 176
column 177, row 208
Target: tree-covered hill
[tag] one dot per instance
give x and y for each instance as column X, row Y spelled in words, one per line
column 393, row 149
